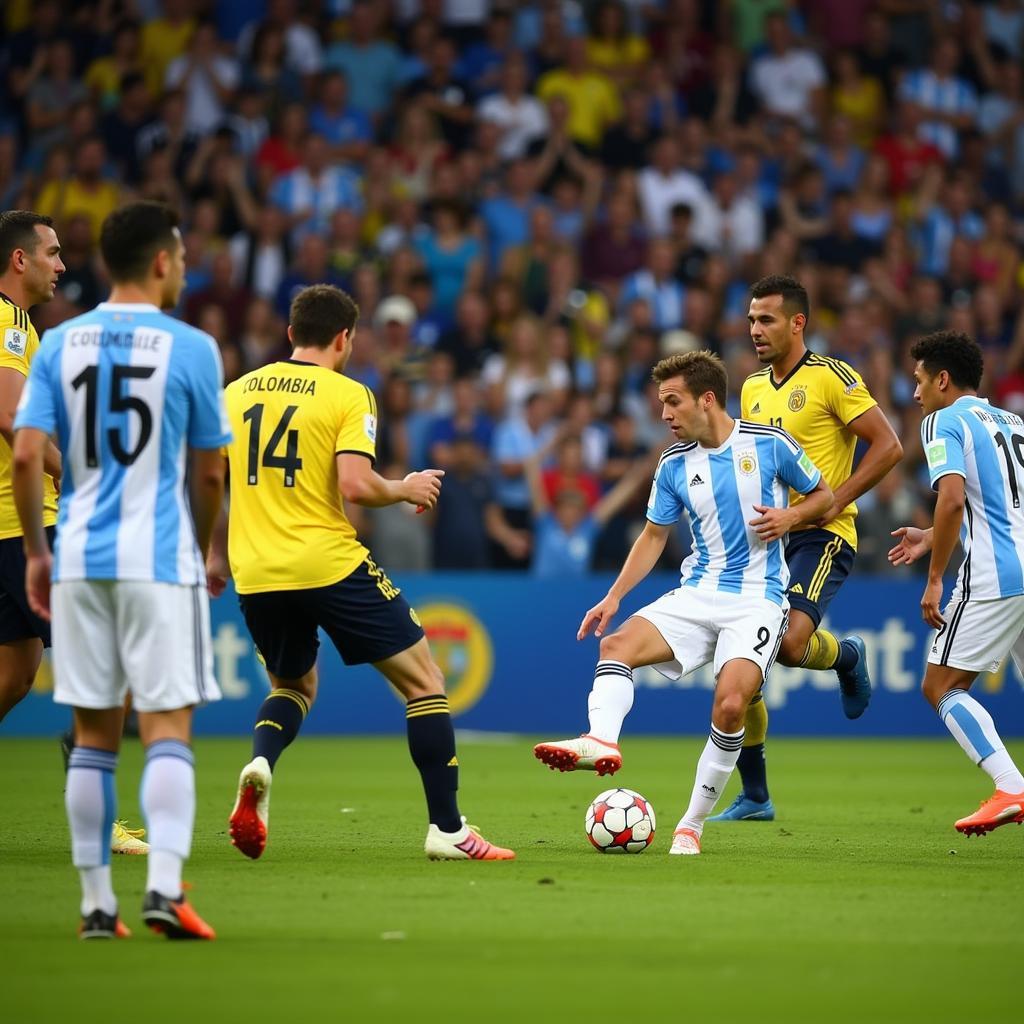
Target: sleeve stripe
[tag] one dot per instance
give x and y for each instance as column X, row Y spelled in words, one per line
column 355, row 451
column 372, row 400
column 928, row 427
column 838, row 368
column 746, row 427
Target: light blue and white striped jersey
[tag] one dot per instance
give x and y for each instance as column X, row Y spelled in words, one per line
column 127, row 390
column 715, row 491
column 985, row 446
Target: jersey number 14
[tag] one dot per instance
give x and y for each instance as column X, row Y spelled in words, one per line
column 289, row 462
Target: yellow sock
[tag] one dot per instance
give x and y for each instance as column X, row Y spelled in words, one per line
column 822, row 650
column 756, row 723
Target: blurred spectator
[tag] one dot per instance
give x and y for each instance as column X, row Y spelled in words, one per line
column 506, row 215
column 592, row 97
column 525, row 365
column 664, row 184
column 949, row 102
column 859, row 97
column 521, row 117
column 303, row 53
column 310, row 194
column 123, row 124
column 481, row 61
column 470, row 342
column 232, row 299
column 789, row 80
column 262, row 338
column 87, row 191
column 346, row 129
column 311, row 266
column 266, row 70
column 442, row 94
column 615, row 248
column 369, row 63
column 611, row 47
column 397, row 354
column 469, row 522
column 451, row 257
column 416, row 150
column 82, row 285
column 207, row 78
column 52, row 93
column 164, row 39
column 517, row 438
column 656, row 284
column 260, row 255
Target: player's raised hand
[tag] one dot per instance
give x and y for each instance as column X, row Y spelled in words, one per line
column 912, row 544
column 37, row 584
column 600, row 616
column 423, row 488
column 772, row 523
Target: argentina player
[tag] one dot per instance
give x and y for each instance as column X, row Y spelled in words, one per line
column 730, row 606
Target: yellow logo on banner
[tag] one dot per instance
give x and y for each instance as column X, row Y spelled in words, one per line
column 462, row 649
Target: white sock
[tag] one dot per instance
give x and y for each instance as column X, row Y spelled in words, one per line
column 716, row 764
column 972, row 727
column 168, row 797
column 97, row 890
column 610, row 699
column 91, row 802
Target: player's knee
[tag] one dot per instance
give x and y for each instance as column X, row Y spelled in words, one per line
column 614, row 648
column 14, row 688
column 731, row 712
column 428, row 682
column 933, row 690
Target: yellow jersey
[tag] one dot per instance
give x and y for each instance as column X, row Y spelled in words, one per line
column 19, row 348
column 814, row 403
column 287, row 529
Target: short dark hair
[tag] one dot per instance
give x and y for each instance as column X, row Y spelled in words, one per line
column 953, row 351
column 319, row 313
column 131, row 237
column 702, row 371
column 18, row 231
column 794, row 294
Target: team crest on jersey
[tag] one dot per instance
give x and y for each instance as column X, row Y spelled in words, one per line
column 370, row 427
column 747, row 463
column 797, row 399
column 14, row 341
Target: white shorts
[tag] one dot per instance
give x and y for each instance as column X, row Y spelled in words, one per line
column 977, row 635
column 699, row 625
column 113, row 636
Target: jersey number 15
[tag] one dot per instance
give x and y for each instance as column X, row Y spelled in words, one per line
column 118, row 402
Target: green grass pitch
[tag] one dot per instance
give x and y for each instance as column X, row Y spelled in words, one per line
column 860, row 903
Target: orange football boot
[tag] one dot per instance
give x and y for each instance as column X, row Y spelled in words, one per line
column 999, row 809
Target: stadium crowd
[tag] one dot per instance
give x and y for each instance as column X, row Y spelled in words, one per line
column 534, row 202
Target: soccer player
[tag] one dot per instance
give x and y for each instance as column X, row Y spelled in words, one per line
column 730, row 607
column 975, row 456
column 31, row 267
column 304, row 440
column 129, row 392
column 823, row 404
column 30, row 256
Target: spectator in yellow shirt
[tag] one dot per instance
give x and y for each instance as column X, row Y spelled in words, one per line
column 103, row 76
column 612, row 48
column 86, row 192
column 165, row 38
column 592, row 97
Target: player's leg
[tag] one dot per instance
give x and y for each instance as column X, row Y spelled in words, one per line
column 416, row 676
column 88, row 677
column 90, row 797
column 975, row 638
column 636, row 642
column 369, row 620
column 750, row 632
column 284, row 630
column 19, row 662
column 819, row 563
column 163, row 637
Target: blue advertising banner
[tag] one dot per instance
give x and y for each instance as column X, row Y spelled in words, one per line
column 507, row 645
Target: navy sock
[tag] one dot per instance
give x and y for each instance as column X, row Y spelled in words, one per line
column 278, row 723
column 847, row 657
column 432, row 746
column 753, row 772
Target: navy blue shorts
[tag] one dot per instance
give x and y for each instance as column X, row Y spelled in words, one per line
column 17, row 620
column 364, row 614
column 819, row 562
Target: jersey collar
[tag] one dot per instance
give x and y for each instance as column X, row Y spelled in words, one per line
column 771, row 372
column 128, row 307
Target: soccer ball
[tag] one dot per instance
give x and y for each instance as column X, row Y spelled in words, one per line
column 620, row 821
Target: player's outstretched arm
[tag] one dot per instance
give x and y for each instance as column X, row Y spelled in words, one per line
column 360, row 483
column 913, row 543
column 642, row 558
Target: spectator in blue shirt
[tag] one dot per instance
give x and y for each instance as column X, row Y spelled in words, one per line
column 369, row 63
column 347, row 130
